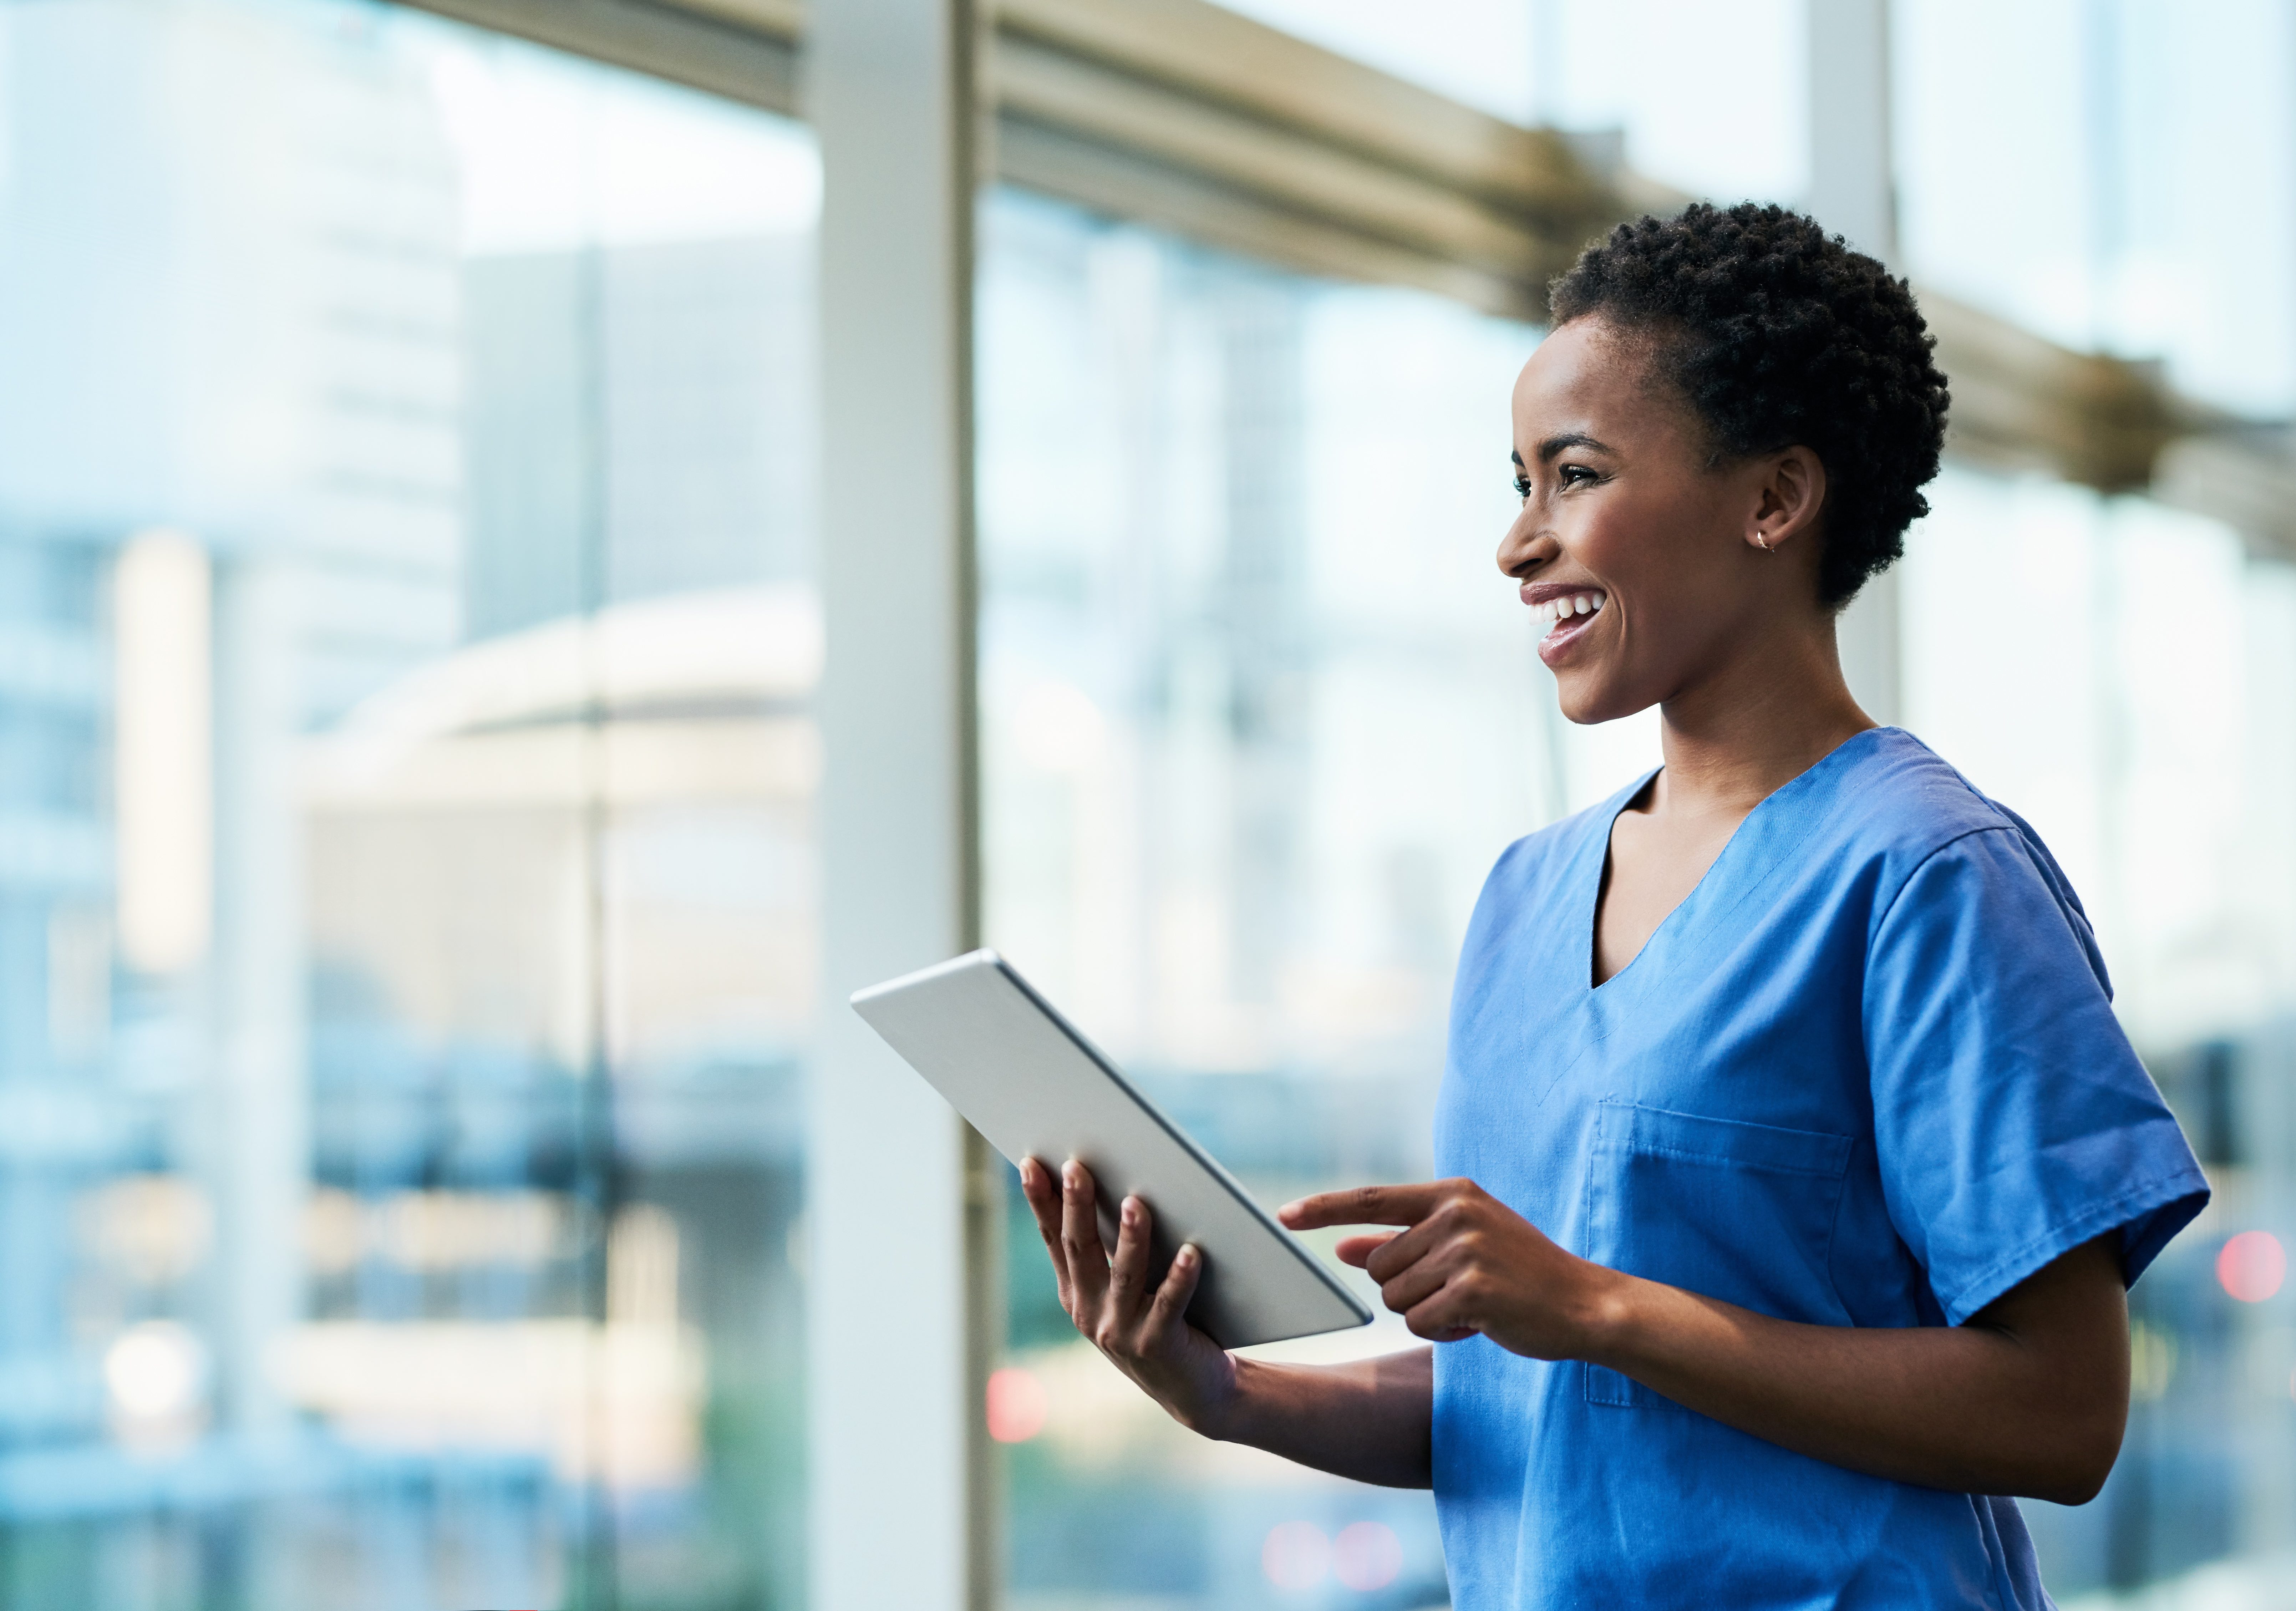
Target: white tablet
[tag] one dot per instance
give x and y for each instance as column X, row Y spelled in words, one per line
column 1024, row 1077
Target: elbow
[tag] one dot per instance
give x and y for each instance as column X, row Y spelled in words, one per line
column 2074, row 1488
column 2077, row 1474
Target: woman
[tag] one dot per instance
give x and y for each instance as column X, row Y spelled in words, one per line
column 1799, row 1165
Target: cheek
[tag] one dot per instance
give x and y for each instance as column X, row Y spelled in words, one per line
column 1656, row 546
column 1620, row 543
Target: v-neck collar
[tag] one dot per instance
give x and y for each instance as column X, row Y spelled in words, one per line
column 1602, row 858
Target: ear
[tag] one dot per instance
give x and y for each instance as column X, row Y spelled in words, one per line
column 1790, row 498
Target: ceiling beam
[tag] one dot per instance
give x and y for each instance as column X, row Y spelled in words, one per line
column 1185, row 116
column 743, row 50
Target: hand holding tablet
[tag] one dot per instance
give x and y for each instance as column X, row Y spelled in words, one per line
column 1139, row 1326
column 1036, row 1088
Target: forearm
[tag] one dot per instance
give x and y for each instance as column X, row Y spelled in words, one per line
column 2030, row 1396
column 1369, row 1420
column 1968, row 1408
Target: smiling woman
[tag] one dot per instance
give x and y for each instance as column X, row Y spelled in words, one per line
column 1798, row 1165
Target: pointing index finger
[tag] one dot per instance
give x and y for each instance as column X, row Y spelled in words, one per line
column 1362, row 1205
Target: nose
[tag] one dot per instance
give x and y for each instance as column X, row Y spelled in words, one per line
column 1529, row 542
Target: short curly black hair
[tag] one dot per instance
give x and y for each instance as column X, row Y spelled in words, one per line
column 1777, row 335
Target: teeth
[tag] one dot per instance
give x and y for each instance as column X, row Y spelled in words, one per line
column 1575, row 604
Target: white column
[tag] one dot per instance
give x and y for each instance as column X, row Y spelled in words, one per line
column 1853, row 193
column 1852, row 184
column 263, row 1151
column 898, row 1308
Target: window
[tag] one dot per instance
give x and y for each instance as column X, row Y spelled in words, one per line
column 406, row 868
column 2150, row 746
column 1258, row 713
column 1240, row 700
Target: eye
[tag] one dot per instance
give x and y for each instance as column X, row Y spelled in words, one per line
column 1575, row 475
column 1522, row 486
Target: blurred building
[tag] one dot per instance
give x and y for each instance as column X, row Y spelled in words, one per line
column 663, row 391
column 231, row 423
column 314, row 1223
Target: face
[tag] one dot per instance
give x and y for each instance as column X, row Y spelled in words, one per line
column 1656, row 557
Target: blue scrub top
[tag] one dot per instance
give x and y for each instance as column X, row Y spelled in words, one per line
column 1867, row 1074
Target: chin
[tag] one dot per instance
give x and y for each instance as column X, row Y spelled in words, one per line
column 1586, row 702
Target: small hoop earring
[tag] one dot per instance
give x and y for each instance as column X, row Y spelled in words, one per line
column 1765, row 542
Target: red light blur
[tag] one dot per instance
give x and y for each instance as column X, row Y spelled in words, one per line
column 1296, row 1556
column 1018, row 1405
column 2252, row 1266
column 1366, row 1555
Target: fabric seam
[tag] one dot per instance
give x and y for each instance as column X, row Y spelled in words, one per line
column 1835, row 1173
column 2071, row 1232
column 1890, row 906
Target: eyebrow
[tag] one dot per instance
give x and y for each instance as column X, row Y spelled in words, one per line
column 1568, row 439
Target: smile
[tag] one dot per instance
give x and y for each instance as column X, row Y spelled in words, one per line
column 1568, row 614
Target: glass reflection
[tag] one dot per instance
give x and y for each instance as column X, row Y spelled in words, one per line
column 2156, row 760
column 406, row 881
column 1257, row 714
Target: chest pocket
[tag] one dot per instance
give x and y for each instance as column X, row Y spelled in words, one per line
column 1740, row 1212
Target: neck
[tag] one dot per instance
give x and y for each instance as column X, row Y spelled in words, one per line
column 1770, row 713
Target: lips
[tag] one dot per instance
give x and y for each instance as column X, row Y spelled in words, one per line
column 1570, row 612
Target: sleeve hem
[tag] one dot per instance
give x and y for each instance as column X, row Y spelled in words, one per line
column 2180, row 1185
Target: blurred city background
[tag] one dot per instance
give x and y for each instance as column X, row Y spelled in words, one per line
column 408, row 863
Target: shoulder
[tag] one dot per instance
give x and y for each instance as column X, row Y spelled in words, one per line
column 1894, row 804
column 1895, row 794
column 1920, row 826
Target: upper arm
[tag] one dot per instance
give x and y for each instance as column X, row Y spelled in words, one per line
column 2072, row 1312
column 2012, row 1122
column 2069, row 1321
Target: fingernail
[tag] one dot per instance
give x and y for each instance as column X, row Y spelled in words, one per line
column 1131, row 1210
column 1289, row 1206
column 1187, row 1255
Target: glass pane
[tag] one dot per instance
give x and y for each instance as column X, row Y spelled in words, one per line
column 2144, row 136
column 406, row 875
column 1258, row 713
column 2144, row 210
column 1673, row 80
column 1179, row 863
column 2161, row 778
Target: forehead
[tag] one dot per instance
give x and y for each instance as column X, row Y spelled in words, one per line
column 1581, row 373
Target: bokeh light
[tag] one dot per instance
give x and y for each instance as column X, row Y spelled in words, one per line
column 1296, row 1556
column 2252, row 1266
column 1366, row 1555
column 156, row 1370
column 2151, row 1362
column 1017, row 1406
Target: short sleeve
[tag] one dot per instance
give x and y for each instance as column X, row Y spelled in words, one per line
column 2011, row 1119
